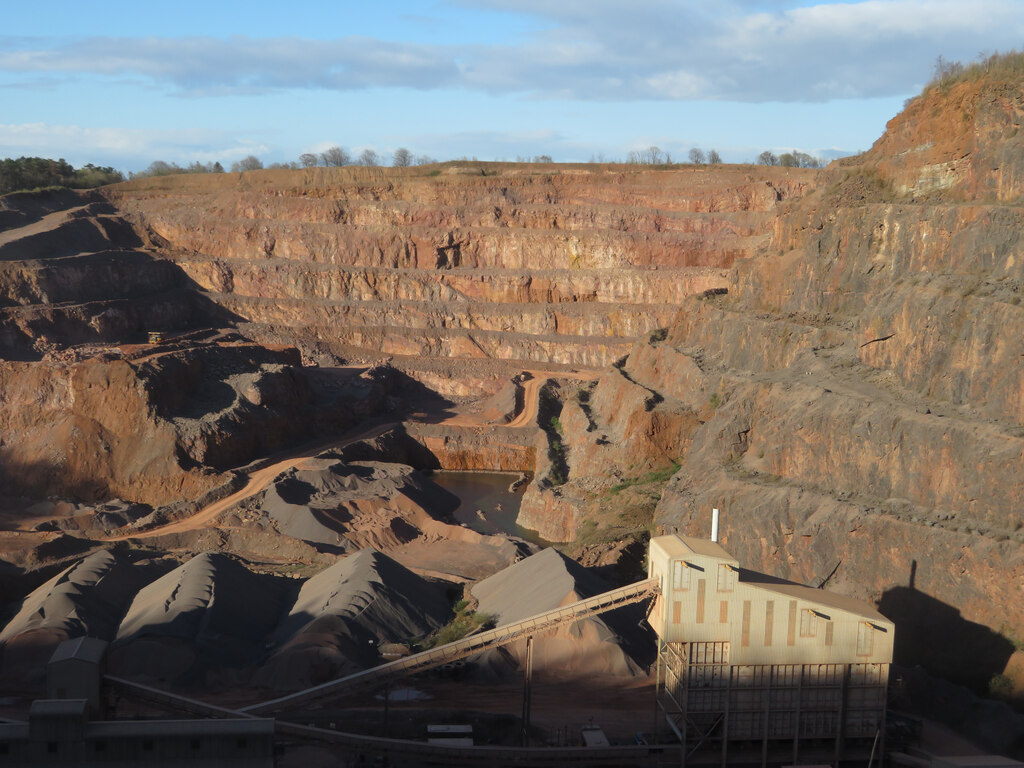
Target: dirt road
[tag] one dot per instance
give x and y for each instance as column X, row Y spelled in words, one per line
column 261, row 478
column 531, row 393
column 258, row 480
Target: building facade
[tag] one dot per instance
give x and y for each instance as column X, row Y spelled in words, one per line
column 757, row 670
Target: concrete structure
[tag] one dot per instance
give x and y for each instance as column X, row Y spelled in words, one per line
column 75, row 671
column 757, row 669
column 63, row 730
column 59, row 733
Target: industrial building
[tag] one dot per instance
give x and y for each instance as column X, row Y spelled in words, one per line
column 757, row 670
column 59, row 732
column 752, row 670
column 69, row 729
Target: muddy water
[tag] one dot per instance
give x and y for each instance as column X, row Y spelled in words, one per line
column 486, row 505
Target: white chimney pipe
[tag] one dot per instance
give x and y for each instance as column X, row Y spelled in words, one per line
column 714, row 524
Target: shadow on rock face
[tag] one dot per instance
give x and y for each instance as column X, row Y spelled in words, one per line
column 934, row 635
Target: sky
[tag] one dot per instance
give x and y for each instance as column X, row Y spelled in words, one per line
column 127, row 83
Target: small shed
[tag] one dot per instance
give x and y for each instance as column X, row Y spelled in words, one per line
column 76, row 670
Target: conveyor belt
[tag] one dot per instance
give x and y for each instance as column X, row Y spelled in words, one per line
column 449, row 755
column 468, row 646
column 170, row 701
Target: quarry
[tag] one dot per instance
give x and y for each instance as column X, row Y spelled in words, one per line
column 439, row 447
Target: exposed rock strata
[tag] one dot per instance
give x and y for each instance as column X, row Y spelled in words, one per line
column 159, row 425
column 853, row 403
column 563, row 268
column 72, row 271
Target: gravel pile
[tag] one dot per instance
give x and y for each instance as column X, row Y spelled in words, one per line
column 609, row 644
column 344, row 613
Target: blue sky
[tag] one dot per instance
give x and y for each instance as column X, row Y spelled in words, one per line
column 126, row 83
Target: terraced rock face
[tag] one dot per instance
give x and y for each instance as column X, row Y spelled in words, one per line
column 853, row 404
column 515, row 265
column 74, row 272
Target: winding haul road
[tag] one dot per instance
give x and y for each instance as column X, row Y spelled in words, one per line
column 264, row 476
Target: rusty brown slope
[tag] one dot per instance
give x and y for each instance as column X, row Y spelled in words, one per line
column 853, row 403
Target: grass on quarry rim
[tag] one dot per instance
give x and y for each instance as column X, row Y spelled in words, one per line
column 1004, row 65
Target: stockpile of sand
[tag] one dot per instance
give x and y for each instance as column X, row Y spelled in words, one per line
column 209, row 612
column 610, row 644
column 344, row 613
column 86, row 599
column 350, row 506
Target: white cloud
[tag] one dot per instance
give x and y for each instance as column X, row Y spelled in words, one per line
column 119, row 146
column 581, row 49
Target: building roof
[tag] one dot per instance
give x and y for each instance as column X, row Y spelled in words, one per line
column 812, row 595
column 682, row 546
column 89, row 649
column 677, row 546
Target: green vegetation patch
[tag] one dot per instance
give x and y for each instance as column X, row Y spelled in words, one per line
column 659, row 476
column 37, row 173
column 464, row 623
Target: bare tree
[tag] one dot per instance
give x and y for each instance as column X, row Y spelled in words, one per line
column 368, row 157
column 697, row 156
column 804, row 160
column 308, row 159
column 425, row 160
column 542, row 159
column 767, row 158
column 249, row 163
column 402, row 158
column 335, row 157
column 653, row 156
column 714, row 158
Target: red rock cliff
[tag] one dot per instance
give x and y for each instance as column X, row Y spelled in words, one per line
column 853, row 403
column 497, row 261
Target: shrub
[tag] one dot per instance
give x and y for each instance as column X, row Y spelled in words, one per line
column 657, row 335
column 463, row 624
column 946, row 73
column 1000, row 687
